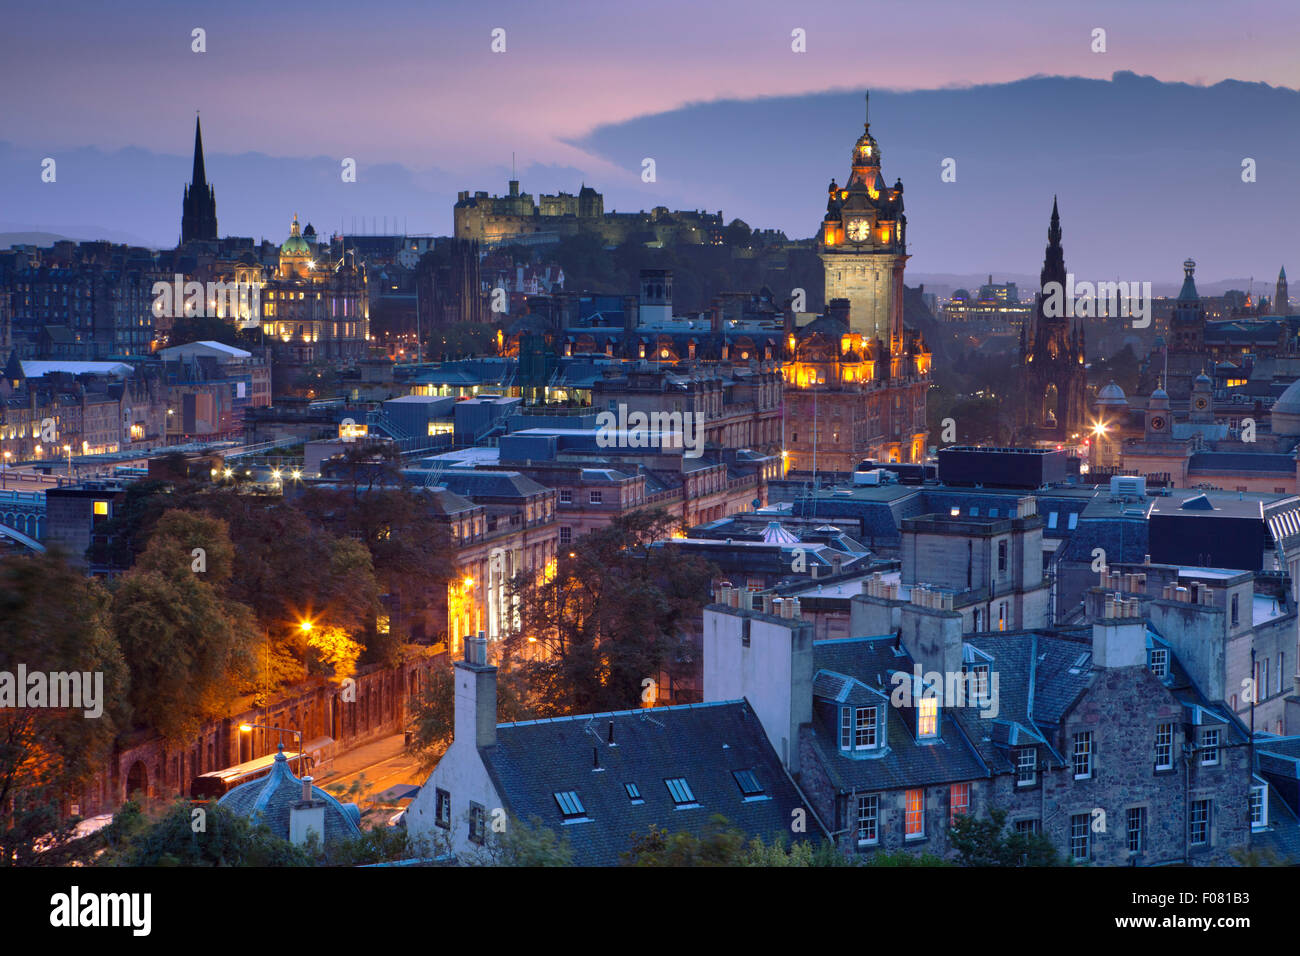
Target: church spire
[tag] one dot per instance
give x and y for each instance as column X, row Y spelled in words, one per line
column 199, row 178
column 199, row 205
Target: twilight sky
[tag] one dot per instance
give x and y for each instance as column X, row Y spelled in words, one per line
column 412, row 91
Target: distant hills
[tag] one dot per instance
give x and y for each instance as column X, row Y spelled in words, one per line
column 1148, row 173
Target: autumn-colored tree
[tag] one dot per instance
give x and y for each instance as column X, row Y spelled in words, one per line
column 409, row 553
column 613, row 614
column 53, row 621
column 433, row 711
column 188, row 647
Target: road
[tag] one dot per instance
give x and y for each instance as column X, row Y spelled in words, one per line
column 383, row 764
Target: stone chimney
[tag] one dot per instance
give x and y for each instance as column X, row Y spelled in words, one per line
column 306, row 815
column 476, row 695
column 1119, row 636
column 932, row 636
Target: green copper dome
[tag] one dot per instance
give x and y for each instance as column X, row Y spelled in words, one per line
column 295, row 245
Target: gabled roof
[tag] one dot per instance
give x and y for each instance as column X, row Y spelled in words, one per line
column 703, row 744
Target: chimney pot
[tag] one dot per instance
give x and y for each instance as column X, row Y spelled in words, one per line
column 306, row 789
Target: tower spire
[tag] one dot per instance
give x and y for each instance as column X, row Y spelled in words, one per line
column 199, row 178
column 866, row 109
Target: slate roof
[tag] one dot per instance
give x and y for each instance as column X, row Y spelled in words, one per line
column 1277, row 761
column 1216, row 461
column 270, row 798
column 534, row 760
column 904, row 762
column 490, row 484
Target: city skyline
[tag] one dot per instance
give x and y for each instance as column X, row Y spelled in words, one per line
column 458, row 121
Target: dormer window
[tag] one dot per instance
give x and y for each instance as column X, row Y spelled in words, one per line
column 927, row 717
column 1210, row 747
column 864, row 728
column 1026, row 767
column 1158, row 662
column 1259, row 807
column 977, row 682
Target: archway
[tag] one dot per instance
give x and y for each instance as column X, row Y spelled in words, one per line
column 1051, row 400
column 137, row 781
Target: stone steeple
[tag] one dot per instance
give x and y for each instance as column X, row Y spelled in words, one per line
column 199, row 207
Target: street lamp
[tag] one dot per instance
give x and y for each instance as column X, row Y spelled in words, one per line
column 67, row 450
column 4, row 473
column 248, row 728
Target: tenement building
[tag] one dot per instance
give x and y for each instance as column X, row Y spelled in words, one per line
column 1100, row 738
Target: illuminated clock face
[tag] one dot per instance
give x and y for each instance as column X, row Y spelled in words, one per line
column 1157, row 423
column 859, row 230
column 1200, row 404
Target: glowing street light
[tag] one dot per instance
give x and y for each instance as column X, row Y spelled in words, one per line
column 248, row 728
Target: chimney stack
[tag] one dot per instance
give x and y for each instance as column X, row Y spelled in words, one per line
column 476, row 696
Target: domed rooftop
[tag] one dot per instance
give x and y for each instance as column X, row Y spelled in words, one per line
column 295, row 245
column 271, row 798
column 1285, row 417
column 1204, row 379
column 1111, row 394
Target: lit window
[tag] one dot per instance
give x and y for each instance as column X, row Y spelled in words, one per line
column 1209, row 747
column 927, row 724
column 101, row 507
column 1164, row 746
column 868, row 820
column 1083, row 755
column 958, row 801
column 914, row 816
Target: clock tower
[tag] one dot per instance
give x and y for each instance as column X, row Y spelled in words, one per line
column 856, row 378
column 863, row 245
